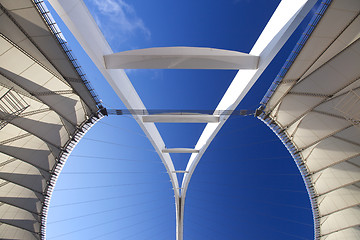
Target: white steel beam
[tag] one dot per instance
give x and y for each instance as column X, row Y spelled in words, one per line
column 180, row 150
column 181, row 118
column 78, row 19
column 282, row 24
column 181, row 58
column 180, row 171
column 284, row 21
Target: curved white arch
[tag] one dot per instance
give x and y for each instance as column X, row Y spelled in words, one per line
column 181, row 58
column 281, row 25
column 284, row 21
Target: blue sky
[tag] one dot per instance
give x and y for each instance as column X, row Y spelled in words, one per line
column 114, row 185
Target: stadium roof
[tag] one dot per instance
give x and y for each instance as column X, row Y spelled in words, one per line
column 46, row 105
column 279, row 28
column 314, row 108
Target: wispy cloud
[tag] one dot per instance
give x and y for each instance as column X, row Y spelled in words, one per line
column 116, row 18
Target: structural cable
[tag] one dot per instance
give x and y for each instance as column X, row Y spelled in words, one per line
column 111, row 172
column 194, row 213
column 247, row 220
column 104, row 223
column 208, row 229
column 217, row 160
column 105, row 199
column 123, row 129
column 236, row 186
column 239, row 195
column 119, row 229
column 118, row 144
column 263, row 202
column 145, row 230
column 113, row 159
column 243, row 145
column 107, row 186
column 104, row 211
column 248, row 173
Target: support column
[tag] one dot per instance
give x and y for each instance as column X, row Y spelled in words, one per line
column 179, row 218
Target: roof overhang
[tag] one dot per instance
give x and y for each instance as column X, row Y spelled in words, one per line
column 46, row 105
column 314, row 107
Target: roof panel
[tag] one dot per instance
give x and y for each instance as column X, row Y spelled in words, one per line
column 313, row 84
column 4, row 46
column 340, row 199
column 337, row 176
column 12, row 190
column 293, row 106
column 329, row 152
column 10, row 232
column 9, row 30
column 345, row 62
column 347, row 5
column 46, row 125
column 336, row 20
column 29, row 19
column 15, row 4
column 340, row 220
column 324, row 136
column 351, row 134
column 19, row 218
column 15, row 61
column 35, row 67
column 348, row 234
column 315, row 126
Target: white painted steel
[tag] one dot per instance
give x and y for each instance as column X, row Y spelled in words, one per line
column 282, row 24
column 180, row 150
column 80, row 22
column 181, row 58
column 78, row 19
column 180, row 171
column 181, row 118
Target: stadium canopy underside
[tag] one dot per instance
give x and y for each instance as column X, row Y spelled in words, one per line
column 314, row 107
column 46, row 105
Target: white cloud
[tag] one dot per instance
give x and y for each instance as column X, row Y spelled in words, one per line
column 119, row 18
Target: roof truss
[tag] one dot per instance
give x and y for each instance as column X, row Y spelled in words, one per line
column 284, row 21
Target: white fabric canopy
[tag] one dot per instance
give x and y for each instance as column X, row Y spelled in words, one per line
column 45, row 107
column 315, row 110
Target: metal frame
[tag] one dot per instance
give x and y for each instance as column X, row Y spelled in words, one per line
column 284, row 21
column 181, row 58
